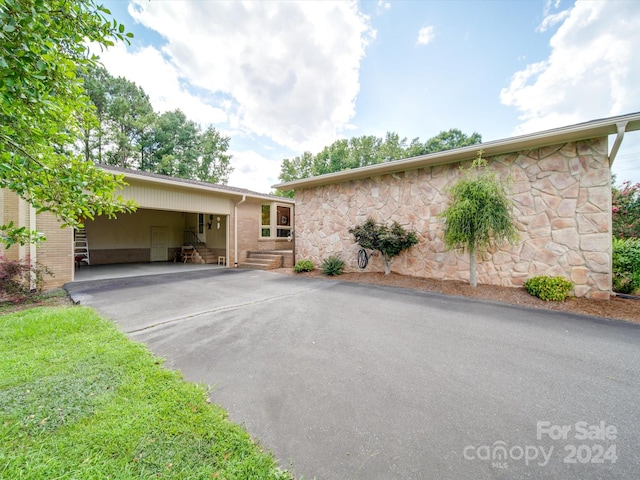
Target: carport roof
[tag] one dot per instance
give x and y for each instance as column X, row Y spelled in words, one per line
column 196, row 184
column 581, row 131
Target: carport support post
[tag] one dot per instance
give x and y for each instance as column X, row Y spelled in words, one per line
column 235, row 231
column 292, row 238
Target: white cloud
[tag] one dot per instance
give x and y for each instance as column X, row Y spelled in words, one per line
column 160, row 80
column 290, row 69
column 550, row 4
column 253, row 171
column 593, row 70
column 382, row 6
column 426, row 35
column 551, row 20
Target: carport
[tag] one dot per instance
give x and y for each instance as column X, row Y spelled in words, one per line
column 220, row 224
column 154, row 235
column 171, row 213
column 226, row 225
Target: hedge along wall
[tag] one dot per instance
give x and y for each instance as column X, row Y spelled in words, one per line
column 562, row 201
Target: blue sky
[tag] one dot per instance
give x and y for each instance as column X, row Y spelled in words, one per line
column 280, row 78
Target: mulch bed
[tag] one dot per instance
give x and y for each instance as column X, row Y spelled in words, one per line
column 616, row 307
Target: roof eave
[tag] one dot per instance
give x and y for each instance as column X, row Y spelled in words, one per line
column 131, row 174
column 573, row 133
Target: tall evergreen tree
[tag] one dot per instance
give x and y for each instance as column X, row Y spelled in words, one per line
column 128, row 133
column 214, row 164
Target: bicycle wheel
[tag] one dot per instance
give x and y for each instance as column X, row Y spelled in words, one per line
column 363, row 259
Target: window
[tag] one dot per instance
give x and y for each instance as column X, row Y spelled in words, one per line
column 278, row 216
column 283, row 221
column 201, row 223
column 265, row 229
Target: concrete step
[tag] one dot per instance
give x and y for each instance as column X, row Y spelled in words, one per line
column 264, row 256
column 262, row 260
column 257, row 266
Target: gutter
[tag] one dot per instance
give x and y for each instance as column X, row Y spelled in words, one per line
column 572, row 133
column 235, row 231
column 33, row 252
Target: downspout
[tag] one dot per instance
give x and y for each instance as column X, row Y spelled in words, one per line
column 622, row 127
column 23, row 213
column 293, row 234
column 235, row 231
column 33, row 252
column 293, row 246
column 27, row 218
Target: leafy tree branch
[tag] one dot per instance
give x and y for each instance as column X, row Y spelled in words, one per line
column 42, row 47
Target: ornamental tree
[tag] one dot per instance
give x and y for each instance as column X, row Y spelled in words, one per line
column 43, row 107
column 388, row 240
column 478, row 214
column 626, row 210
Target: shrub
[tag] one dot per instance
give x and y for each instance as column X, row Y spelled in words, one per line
column 549, row 288
column 626, row 265
column 332, row 265
column 625, row 216
column 388, row 240
column 303, row 266
column 16, row 278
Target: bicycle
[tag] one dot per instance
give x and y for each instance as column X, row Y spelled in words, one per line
column 363, row 258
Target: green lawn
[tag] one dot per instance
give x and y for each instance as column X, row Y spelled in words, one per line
column 78, row 400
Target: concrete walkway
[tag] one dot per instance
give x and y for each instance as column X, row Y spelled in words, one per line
column 348, row 381
column 102, row 272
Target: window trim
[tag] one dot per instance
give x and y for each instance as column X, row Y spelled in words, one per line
column 264, row 226
column 274, row 225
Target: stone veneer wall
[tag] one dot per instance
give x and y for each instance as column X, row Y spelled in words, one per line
column 562, row 202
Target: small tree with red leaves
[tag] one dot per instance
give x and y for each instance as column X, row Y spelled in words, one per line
column 626, row 210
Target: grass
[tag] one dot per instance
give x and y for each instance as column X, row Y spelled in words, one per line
column 78, row 400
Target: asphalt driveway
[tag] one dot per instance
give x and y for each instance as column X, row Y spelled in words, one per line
column 348, row 381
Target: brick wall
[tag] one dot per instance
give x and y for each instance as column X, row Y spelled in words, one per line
column 274, row 244
column 57, row 252
column 249, row 216
column 248, row 228
column 11, row 213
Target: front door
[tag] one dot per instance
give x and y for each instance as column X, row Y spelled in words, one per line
column 159, row 244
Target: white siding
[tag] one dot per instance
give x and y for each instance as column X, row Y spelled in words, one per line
column 164, row 197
